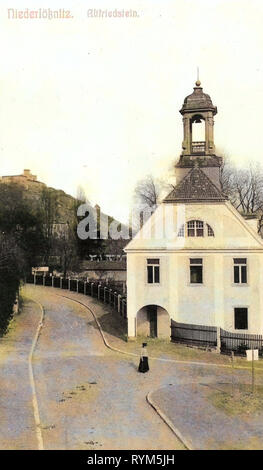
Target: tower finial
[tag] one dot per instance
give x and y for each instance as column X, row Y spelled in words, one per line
column 198, row 83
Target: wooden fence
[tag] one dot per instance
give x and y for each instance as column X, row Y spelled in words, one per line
column 198, row 335
column 201, row 335
column 240, row 342
column 102, row 292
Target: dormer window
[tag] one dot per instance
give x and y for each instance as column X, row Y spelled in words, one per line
column 195, row 228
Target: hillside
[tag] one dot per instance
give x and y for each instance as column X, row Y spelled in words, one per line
column 63, row 205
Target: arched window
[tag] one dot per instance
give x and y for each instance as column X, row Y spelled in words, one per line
column 195, row 228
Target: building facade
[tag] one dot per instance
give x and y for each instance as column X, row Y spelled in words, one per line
column 196, row 260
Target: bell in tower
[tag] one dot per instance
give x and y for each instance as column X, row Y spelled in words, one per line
column 198, row 145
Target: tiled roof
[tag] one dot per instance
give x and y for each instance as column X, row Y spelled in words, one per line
column 195, row 187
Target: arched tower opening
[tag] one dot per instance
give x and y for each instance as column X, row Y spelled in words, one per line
column 197, row 135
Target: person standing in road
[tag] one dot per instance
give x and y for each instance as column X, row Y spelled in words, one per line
column 144, row 365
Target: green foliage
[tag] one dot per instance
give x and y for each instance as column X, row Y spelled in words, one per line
column 22, row 222
column 12, row 269
column 21, row 239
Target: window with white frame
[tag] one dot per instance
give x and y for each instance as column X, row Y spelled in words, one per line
column 195, row 228
column 153, row 271
column 240, row 270
column 196, row 271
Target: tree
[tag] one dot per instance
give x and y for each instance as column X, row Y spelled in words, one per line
column 244, row 187
column 67, row 250
column 21, row 221
column 148, row 193
column 49, row 206
column 21, row 240
column 12, row 270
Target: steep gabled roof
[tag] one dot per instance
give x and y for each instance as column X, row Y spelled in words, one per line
column 195, row 187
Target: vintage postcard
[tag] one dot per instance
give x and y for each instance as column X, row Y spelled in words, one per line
column 131, row 228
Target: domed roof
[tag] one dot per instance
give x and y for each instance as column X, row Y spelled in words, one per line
column 198, row 101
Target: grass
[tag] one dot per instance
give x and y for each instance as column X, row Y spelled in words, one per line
column 240, row 401
column 115, row 328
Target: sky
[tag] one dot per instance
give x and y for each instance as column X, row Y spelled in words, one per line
column 94, row 101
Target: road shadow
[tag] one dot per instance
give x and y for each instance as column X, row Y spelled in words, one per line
column 113, row 324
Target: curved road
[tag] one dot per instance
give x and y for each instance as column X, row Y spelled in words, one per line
column 89, row 397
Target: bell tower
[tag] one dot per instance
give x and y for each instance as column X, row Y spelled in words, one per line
column 198, row 146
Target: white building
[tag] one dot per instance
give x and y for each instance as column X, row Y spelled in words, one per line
column 196, row 260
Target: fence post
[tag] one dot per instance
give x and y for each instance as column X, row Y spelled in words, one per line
column 60, row 282
column 122, row 308
column 105, row 293
column 52, row 281
column 77, row 288
column 99, row 286
column 115, row 297
column 69, row 283
column 119, row 303
column 110, row 292
column 91, row 289
column 232, row 369
column 253, row 372
column 85, row 287
column 35, row 279
column 44, row 280
column 218, row 339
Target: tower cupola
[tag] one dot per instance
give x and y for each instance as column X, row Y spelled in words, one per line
column 198, row 146
column 198, row 109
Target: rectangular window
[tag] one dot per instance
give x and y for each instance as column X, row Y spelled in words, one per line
column 240, row 270
column 153, row 271
column 191, row 228
column 196, row 271
column 195, row 228
column 241, row 319
column 199, row 228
